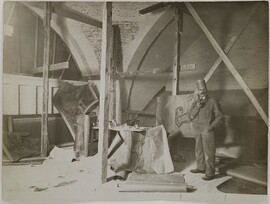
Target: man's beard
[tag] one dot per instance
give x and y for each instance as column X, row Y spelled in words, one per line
column 202, row 96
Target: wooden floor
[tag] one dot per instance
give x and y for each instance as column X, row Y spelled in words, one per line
column 78, row 181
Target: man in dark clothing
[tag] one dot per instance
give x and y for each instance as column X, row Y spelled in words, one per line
column 206, row 115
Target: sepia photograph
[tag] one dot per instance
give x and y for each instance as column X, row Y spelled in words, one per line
column 135, row 101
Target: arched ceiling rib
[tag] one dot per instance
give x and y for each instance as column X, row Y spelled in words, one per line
column 70, row 32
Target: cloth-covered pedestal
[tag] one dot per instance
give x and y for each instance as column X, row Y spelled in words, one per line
column 143, row 152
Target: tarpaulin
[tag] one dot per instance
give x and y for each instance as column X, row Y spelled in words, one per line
column 143, row 152
column 172, row 108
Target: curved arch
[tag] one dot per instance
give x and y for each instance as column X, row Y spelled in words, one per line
column 148, row 40
column 70, row 32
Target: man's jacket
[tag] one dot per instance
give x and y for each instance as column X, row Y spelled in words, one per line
column 207, row 117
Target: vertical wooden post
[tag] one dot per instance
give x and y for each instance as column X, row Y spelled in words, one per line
column 10, row 124
column 18, row 40
column 10, row 15
column 173, row 142
column 36, row 44
column 44, row 115
column 53, row 52
column 86, row 134
column 112, row 105
column 176, row 58
column 104, row 89
column 116, row 66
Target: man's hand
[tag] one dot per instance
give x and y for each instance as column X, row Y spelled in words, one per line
column 200, row 104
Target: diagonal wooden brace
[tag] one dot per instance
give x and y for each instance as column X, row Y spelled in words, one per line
column 232, row 41
column 228, row 63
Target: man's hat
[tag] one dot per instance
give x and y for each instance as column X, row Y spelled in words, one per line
column 201, row 84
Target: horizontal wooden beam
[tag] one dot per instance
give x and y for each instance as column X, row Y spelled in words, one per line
column 53, row 67
column 75, row 15
column 19, row 134
column 23, row 80
column 153, row 8
column 146, row 113
column 156, row 72
column 161, row 5
column 228, row 63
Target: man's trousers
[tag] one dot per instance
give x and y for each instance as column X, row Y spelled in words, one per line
column 205, row 150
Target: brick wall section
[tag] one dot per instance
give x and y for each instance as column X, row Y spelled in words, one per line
column 133, row 26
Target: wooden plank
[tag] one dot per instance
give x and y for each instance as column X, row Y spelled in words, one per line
column 7, row 153
column 8, row 30
column 18, row 41
column 53, row 67
column 18, row 102
column 176, row 58
column 10, row 124
column 146, row 113
column 39, row 94
column 50, row 106
column 53, row 52
column 76, row 15
column 86, row 134
column 54, row 90
column 36, row 42
column 54, row 48
column 46, row 61
column 228, row 63
column 10, row 130
column 27, row 100
column 104, row 87
column 15, row 80
column 116, row 63
column 112, row 91
column 32, row 159
column 62, row 74
column 232, row 41
column 153, row 8
column 176, row 66
column 11, row 13
column 63, row 71
column 39, row 99
column 19, row 134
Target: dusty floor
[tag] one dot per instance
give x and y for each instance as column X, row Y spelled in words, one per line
column 77, row 181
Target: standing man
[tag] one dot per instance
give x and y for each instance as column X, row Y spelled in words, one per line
column 206, row 115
